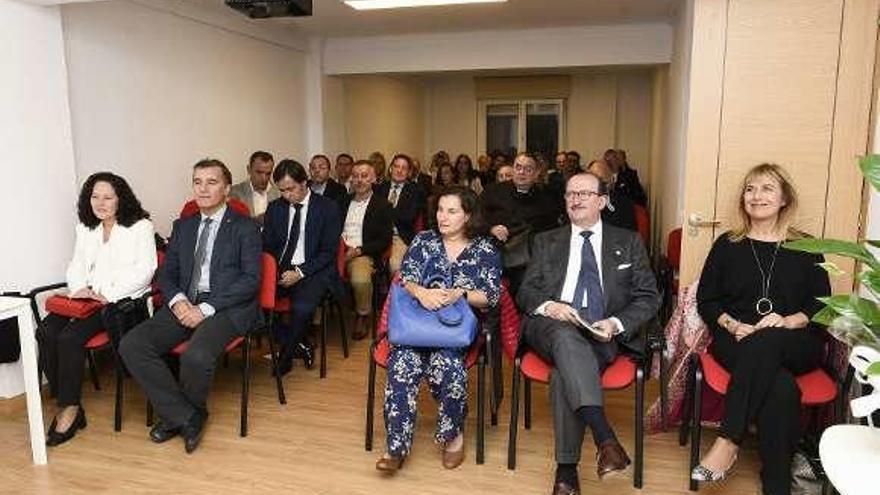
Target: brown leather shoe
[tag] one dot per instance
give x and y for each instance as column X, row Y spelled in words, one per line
column 611, row 458
column 452, row 460
column 563, row 488
column 389, row 464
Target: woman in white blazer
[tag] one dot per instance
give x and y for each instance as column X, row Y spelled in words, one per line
column 114, row 258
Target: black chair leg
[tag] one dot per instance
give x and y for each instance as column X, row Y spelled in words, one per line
column 226, row 360
column 686, row 404
column 640, row 427
column 481, row 408
column 664, row 389
column 245, row 383
column 371, row 399
column 282, row 399
column 491, row 362
column 340, row 318
column 514, row 416
column 696, row 428
column 93, row 370
column 527, row 402
column 120, row 376
column 149, row 413
column 323, row 344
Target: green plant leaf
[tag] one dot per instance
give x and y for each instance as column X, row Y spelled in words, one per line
column 873, row 242
column 871, row 279
column 825, row 316
column 870, row 165
column 854, row 306
column 873, row 369
column 834, row 246
column 832, row 269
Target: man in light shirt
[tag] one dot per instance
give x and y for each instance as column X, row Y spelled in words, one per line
column 606, row 283
column 256, row 191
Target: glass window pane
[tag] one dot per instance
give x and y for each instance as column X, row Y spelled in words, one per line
column 502, row 122
column 542, row 129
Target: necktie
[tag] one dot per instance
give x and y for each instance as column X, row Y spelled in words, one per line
column 201, row 250
column 395, row 194
column 292, row 239
column 588, row 283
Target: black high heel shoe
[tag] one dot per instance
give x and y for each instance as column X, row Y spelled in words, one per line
column 55, row 438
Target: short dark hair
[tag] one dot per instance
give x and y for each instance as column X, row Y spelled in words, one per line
column 470, row 204
column 603, row 186
column 345, row 155
column 214, row 163
column 455, row 176
column 574, row 154
column 263, row 156
column 289, row 168
column 404, row 157
column 128, row 210
column 321, row 157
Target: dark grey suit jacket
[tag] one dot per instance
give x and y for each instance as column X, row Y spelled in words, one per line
column 628, row 283
column 236, row 266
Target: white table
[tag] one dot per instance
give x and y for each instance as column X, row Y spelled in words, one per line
column 20, row 308
column 851, row 457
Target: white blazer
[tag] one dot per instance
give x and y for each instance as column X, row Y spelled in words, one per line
column 123, row 268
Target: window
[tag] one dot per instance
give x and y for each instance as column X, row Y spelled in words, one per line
column 510, row 126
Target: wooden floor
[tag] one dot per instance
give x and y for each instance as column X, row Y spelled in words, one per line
column 315, row 445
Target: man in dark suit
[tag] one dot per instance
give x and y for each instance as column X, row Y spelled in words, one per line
column 367, row 232
column 620, row 210
column 210, row 280
column 408, row 201
column 302, row 232
column 321, row 183
column 606, row 282
column 257, row 191
column 423, row 180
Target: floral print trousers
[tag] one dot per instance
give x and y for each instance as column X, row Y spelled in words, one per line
column 447, row 379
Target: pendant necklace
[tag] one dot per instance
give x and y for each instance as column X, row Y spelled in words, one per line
column 764, row 306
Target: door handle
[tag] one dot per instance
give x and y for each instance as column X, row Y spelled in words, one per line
column 696, row 221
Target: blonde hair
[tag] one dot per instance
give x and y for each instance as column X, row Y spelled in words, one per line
column 785, row 219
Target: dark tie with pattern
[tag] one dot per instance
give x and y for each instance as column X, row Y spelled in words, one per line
column 292, row 238
column 395, row 195
column 201, row 251
column 588, row 282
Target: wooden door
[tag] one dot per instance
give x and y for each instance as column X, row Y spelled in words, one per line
column 782, row 81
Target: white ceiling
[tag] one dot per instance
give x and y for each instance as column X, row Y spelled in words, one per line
column 332, row 18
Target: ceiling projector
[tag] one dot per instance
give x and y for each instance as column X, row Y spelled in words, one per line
column 264, row 9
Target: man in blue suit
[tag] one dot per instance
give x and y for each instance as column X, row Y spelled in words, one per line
column 302, row 231
column 210, row 281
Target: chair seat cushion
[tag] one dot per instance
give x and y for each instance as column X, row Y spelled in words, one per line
column 181, row 347
column 816, row 386
column 619, row 374
column 99, row 340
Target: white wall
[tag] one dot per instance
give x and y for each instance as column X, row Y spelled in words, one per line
column 629, row 44
column 153, row 91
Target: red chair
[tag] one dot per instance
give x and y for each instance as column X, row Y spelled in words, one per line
column 619, row 375
column 328, row 303
column 379, row 351
column 268, row 282
column 818, row 387
column 190, row 208
column 643, row 224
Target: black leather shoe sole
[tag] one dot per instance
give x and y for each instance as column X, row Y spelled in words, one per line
column 161, row 434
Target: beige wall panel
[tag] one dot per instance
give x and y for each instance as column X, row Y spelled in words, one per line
column 633, row 129
column 333, row 97
column 591, row 114
column 779, row 87
column 660, row 170
column 451, row 116
column 523, row 87
column 384, row 113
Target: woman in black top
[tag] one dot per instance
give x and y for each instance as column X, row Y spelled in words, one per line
column 757, row 298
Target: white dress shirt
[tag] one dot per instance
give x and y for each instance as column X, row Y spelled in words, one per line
column 119, row 268
column 318, row 188
column 299, row 251
column 260, row 200
column 353, row 230
column 205, row 280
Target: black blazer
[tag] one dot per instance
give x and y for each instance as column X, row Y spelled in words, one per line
column 503, row 205
column 377, row 228
column 322, row 231
column 410, row 204
column 624, row 214
column 335, row 191
column 628, row 283
column 236, row 266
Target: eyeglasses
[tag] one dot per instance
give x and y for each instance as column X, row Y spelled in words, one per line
column 585, row 194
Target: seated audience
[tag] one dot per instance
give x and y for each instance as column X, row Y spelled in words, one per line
column 379, row 163
column 344, row 163
column 367, row 232
column 627, row 177
column 572, row 163
column 467, row 176
column 757, row 297
column 516, row 211
column 208, row 304
column 447, row 176
column 620, row 210
column 555, row 295
column 504, row 174
column 302, row 232
column 256, row 191
column 408, row 202
column 486, row 170
column 455, row 252
column 114, row 258
column 321, row 183
column 420, row 178
column 437, row 159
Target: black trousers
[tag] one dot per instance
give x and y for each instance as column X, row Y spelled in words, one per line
column 144, row 348
column 62, row 344
column 762, row 389
column 305, row 296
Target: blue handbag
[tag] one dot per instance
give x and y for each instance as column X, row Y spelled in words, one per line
column 410, row 324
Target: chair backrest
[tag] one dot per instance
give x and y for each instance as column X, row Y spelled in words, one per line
column 190, row 208
column 673, row 248
column 643, row 223
column 382, row 324
column 268, row 282
column 154, row 284
column 510, row 322
column 420, row 223
column 340, row 260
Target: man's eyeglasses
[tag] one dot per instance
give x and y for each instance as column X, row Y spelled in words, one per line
column 519, row 167
column 585, row 194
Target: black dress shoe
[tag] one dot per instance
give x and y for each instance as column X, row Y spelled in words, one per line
column 284, row 365
column 306, row 353
column 193, row 430
column 162, row 433
column 563, row 488
column 54, row 437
